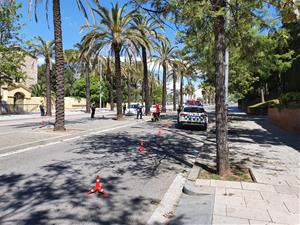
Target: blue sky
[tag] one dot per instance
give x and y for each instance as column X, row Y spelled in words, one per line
column 72, row 20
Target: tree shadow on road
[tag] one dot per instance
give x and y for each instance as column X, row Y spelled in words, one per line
column 55, row 193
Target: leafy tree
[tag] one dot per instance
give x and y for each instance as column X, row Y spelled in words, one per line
column 210, row 21
column 10, row 55
column 80, row 91
column 69, row 82
column 9, row 22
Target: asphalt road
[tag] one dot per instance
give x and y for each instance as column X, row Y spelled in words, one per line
column 28, row 131
column 47, row 185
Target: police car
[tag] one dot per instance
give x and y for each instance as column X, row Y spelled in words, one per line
column 193, row 115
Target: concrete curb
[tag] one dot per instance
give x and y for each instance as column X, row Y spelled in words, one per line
column 190, row 188
column 167, row 206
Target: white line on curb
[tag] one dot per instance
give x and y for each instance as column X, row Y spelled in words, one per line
column 63, row 140
column 168, row 203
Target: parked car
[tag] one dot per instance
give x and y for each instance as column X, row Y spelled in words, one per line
column 193, row 102
column 193, row 115
column 132, row 109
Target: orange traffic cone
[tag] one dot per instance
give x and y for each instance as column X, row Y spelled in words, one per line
column 42, row 124
column 141, row 147
column 168, row 125
column 97, row 188
column 158, row 133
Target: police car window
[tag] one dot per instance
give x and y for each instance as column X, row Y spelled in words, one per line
column 135, row 106
column 193, row 110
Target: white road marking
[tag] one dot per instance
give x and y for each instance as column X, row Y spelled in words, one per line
column 63, row 140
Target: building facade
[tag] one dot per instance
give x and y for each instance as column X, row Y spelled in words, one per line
column 16, row 97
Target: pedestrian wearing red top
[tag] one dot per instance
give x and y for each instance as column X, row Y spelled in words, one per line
column 157, row 110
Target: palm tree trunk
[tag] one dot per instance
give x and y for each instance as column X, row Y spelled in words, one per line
column 119, row 91
column 111, row 84
column 0, row 96
column 59, row 69
column 151, row 93
column 181, row 90
column 48, row 90
column 221, row 111
column 174, row 90
column 129, row 89
column 88, row 90
column 146, row 81
column 164, row 89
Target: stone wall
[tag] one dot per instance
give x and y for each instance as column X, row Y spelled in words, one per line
column 288, row 119
column 70, row 102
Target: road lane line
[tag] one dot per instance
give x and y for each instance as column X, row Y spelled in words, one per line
column 90, row 133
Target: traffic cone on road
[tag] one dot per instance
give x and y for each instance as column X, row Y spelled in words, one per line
column 42, row 124
column 141, row 147
column 158, row 133
column 168, row 125
column 97, row 188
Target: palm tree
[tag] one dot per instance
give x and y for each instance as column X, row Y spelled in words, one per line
column 189, row 89
column 164, row 58
column 110, row 80
column 114, row 31
column 45, row 49
column 127, row 71
column 174, row 75
column 148, row 28
column 85, row 60
column 59, row 56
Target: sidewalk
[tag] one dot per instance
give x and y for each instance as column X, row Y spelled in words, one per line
column 272, row 155
column 5, row 117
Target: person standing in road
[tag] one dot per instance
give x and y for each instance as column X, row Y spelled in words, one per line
column 124, row 109
column 93, row 107
column 42, row 108
column 139, row 112
column 157, row 111
column 179, row 109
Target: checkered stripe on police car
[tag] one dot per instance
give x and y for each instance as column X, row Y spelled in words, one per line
column 190, row 118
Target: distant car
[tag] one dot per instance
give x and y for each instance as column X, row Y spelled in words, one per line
column 132, row 109
column 193, row 102
column 193, row 115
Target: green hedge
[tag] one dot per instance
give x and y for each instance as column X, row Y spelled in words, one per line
column 290, row 98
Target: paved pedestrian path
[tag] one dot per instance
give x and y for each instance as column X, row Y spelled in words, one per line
column 273, row 157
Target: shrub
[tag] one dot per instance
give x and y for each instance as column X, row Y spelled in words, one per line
column 290, row 97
